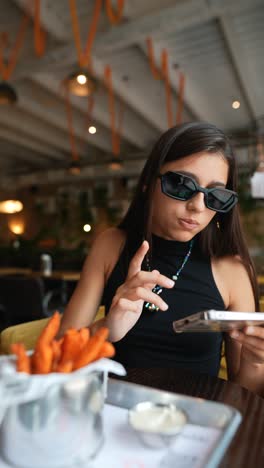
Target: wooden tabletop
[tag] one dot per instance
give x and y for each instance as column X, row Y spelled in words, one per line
column 65, row 275
column 247, row 448
column 59, row 274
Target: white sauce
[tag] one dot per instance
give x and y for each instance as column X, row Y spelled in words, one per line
column 159, row 419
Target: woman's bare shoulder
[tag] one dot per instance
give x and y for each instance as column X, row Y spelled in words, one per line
column 108, row 246
column 230, row 264
column 234, row 279
column 110, row 238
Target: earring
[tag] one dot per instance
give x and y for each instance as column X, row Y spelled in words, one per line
column 217, row 224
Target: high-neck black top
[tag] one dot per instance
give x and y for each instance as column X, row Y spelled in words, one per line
column 152, row 341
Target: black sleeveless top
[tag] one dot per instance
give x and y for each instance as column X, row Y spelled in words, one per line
column 152, row 341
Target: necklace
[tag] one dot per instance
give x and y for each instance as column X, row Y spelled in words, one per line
column 158, row 289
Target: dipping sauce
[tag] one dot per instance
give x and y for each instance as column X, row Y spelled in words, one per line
column 157, row 418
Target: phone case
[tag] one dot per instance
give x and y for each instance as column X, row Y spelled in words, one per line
column 217, row 321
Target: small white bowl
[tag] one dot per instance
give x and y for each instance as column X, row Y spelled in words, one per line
column 157, row 424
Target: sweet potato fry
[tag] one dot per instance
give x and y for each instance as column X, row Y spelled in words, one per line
column 90, row 352
column 107, row 350
column 74, row 350
column 71, row 346
column 84, row 334
column 56, row 346
column 23, row 360
column 42, row 359
column 65, row 367
column 51, row 329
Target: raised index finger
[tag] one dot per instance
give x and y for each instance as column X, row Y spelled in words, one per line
column 136, row 261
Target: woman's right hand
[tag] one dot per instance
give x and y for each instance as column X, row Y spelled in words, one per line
column 127, row 304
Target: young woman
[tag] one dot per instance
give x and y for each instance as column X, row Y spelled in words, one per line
column 179, row 250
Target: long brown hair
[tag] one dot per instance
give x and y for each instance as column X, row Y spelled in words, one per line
column 177, row 143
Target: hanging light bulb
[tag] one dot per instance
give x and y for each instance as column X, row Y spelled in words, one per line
column 92, row 130
column 115, row 164
column 8, row 94
column 11, row 206
column 17, row 226
column 80, row 83
column 75, row 168
column 235, row 104
column 87, row 228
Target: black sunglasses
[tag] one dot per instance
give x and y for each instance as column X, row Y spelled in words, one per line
column 183, row 187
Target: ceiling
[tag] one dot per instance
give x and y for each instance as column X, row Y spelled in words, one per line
column 218, row 44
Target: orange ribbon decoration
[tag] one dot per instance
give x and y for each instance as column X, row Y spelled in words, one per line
column 84, row 56
column 7, row 70
column 91, row 103
column 39, row 33
column 116, row 131
column 89, row 112
column 75, row 156
column 164, row 75
column 165, row 72
column 114, row 17
column 154, row 70
column 180, row 98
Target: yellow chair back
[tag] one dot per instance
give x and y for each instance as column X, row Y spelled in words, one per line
column 29, row 332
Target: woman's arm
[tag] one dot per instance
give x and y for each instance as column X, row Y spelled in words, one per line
column 128, row 299
column 84, row 303
column 244, row 348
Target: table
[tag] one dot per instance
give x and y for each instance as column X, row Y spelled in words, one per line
column 65, row 277
column 247, row 448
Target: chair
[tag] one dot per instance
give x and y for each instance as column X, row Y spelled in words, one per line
column 26, row 298
column 28, row 333
column 21, row 298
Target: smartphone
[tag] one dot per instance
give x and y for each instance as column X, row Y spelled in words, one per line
column 217, row 321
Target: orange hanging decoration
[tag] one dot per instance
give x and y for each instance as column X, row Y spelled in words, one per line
column 84, row 56
column 180, row 98
column 39, row 33
column 114, row 17
column 90, row 102
column 155, row 71
column 7, row 70
column 116, row 132
column 75, row 156
column 165, row 73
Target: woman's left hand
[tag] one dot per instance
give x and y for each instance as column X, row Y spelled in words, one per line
column 252, row 340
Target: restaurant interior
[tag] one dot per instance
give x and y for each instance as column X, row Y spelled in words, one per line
column 86, row 89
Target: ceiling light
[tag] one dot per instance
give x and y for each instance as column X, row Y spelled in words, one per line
column 75, row 168
column 80, row 83
column 115, row 164
column 87, row 228
column 92, row 130
column 11, row 206
column 17, row 227
column 81, row 79
column 8, row 94
column 235, row 104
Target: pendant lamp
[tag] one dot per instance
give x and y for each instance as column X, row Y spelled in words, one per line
column 80, row 83
column 75, row 168
column 11, row 206
column 115, row 164
column 8, row 94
